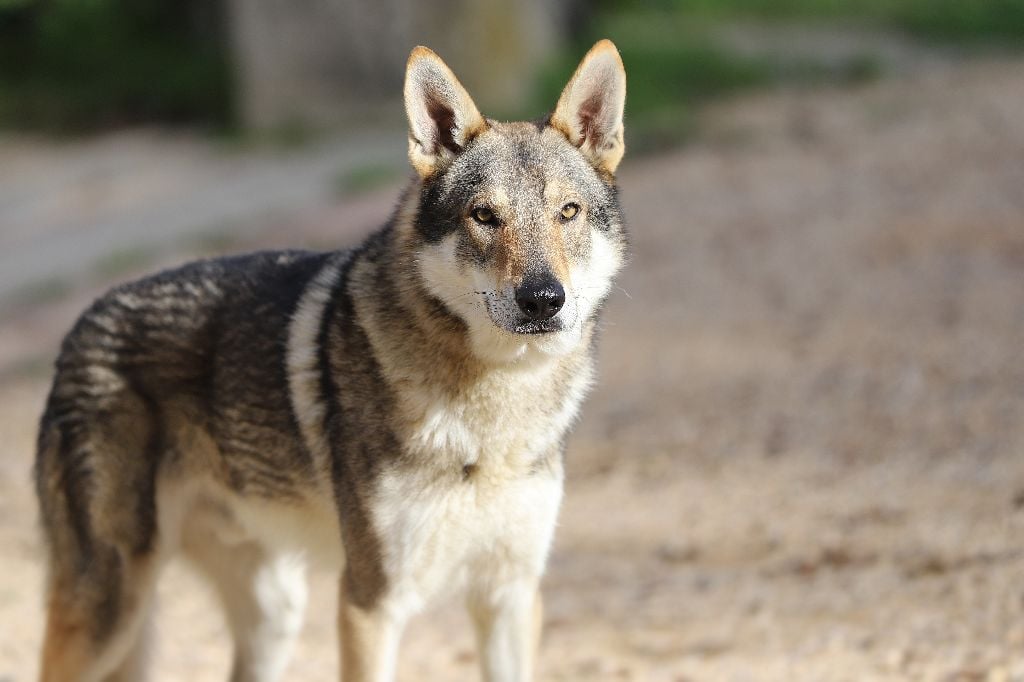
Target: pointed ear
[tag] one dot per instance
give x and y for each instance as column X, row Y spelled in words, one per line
column 442, row 116
column 589, row 112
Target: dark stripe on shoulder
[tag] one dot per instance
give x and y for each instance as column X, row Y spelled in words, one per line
column 364, row 577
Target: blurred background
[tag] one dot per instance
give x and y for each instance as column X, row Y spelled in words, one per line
column 805, row 457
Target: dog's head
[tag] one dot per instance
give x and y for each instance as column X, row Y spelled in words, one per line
column 518, row 225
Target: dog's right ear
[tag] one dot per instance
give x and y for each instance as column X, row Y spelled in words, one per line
column 442, row 116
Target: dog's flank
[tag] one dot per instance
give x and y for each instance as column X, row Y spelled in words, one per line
column 397, row 412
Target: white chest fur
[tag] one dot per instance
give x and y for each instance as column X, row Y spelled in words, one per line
column 477, row 504
column 500, row 424
column 443, row 536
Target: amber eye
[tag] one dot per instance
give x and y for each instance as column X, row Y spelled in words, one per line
column 484, row 216
column 569, row 211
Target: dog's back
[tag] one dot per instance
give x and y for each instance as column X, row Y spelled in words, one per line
column 205, row 343
column 196, row 350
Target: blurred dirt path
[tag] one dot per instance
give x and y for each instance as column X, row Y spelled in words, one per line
column 66, row 206
column 805, row 458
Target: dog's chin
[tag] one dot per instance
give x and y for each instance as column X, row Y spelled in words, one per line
column 556, row 343
column 522, row 342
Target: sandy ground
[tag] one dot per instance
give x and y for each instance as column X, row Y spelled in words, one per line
column 805, row 459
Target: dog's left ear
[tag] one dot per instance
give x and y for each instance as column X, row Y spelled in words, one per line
column 442, row 116
column 589, row 112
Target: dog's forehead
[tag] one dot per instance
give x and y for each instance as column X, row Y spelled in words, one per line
column 523, row 160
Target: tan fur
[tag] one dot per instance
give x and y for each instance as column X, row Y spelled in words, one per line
column 70, row 651
column 368, row 643
column 66, row 651
column 511, row 258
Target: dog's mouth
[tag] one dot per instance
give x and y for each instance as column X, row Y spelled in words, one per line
column 531, row 328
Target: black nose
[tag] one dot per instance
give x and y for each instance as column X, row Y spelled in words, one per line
column 540, row 298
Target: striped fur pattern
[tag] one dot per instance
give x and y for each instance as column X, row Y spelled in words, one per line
column 396, row 413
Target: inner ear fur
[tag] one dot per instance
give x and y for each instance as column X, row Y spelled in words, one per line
column 590, row 109
column 442, row 115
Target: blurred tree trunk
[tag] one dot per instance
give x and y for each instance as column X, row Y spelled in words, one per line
column 325, row 62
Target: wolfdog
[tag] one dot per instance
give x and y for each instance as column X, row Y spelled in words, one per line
column 397, row 412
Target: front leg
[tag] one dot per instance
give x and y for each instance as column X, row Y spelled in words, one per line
column 508, row 623
column 369, row 637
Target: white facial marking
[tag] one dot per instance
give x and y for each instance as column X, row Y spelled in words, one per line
column 463, row 288
column 591, row 281
column 491, row 313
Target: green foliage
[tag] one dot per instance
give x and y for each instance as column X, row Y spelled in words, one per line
column 965, row 20
column 71, row 65
column 75, row 65
column 939, row 20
